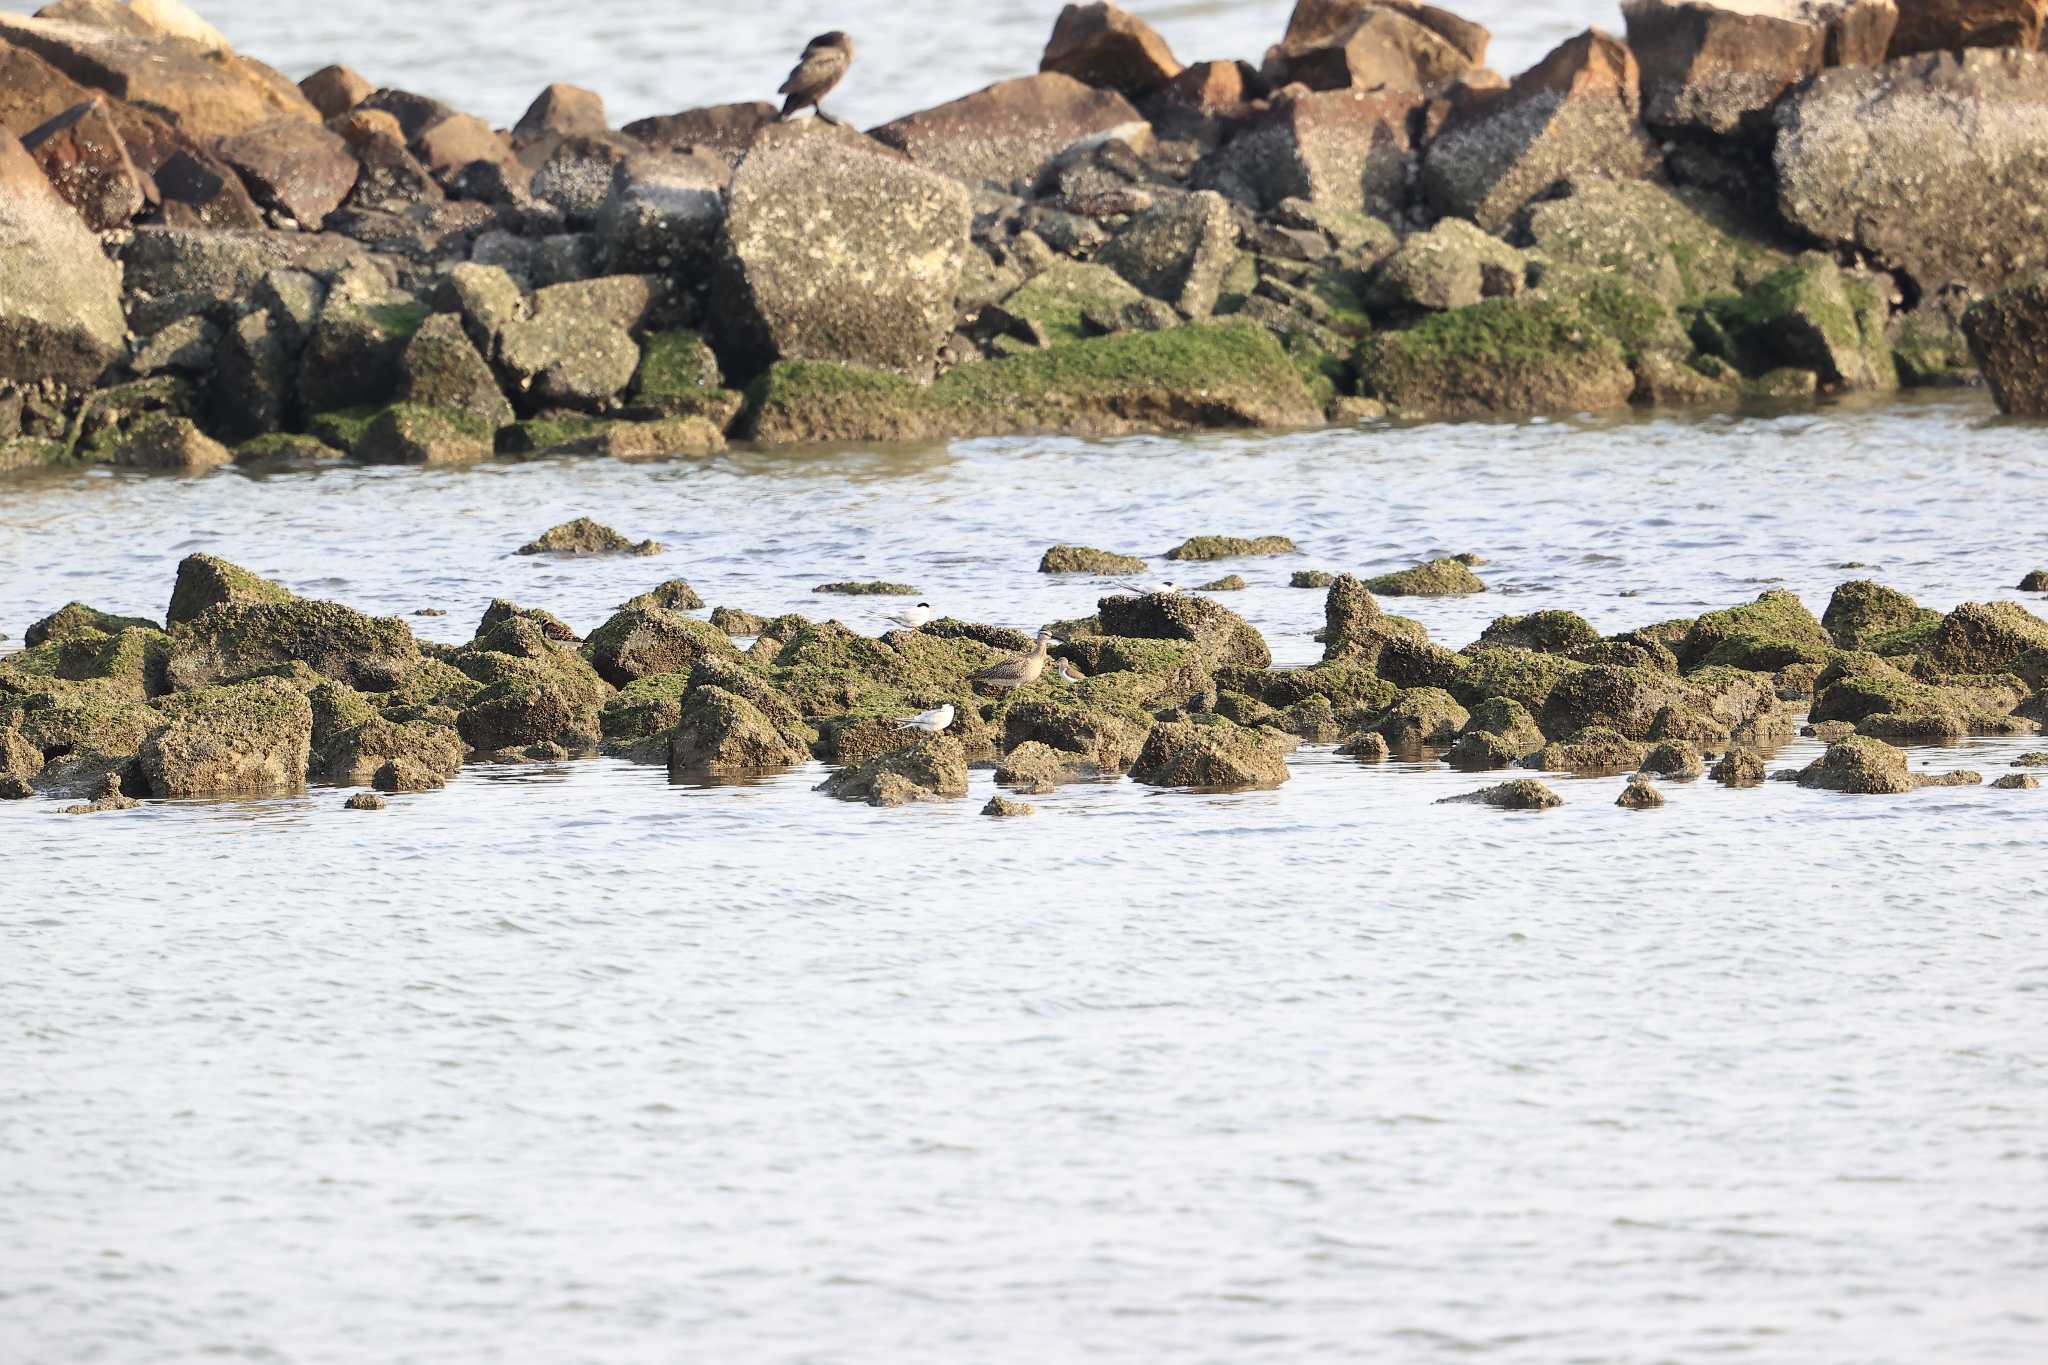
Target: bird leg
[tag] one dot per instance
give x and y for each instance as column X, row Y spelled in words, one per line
column 824, row 117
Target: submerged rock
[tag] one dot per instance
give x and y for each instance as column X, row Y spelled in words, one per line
column 1438, row 578
column 1203, row 548
column 586, row 537
column 365, row 801
column 1639, row 795
column 1209, row 751
column 1003, row 807
column 242, row 740
column 930, row 770
column 1083, row 559
column 1739, row 768
column 867, row 588
column 1524, row 793
column 2023, row 782
column 1859, row 765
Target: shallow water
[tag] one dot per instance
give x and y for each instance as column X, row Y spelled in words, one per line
column 491, row 59
column 570, row 1055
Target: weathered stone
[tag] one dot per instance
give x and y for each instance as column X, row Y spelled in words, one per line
column 1341, row 149
column 586, row 537
column 567, row 110
column 1365, row 47
column 456, row 142
column 1524, row 793
column 1926, row 163
column 726, row 130
column 1453, row 265
column 576, row 349
column 161, row 441
column 86, row 160
column 439, row 368
column 205, row 581
column 1005, row 132
column 60, row 300
column 1221, row 634
column 1950, row 25
column 295, row 166
column 1523, row 354
column 389, row 179
column 1102, row 46
column 663, row 214
column 1985, row 637
column 334, row 90
column 1861, row 766
column 1211, row 752
column 833, row 252
column 577, row 177
column 928, row 770
column 1710, row 69
column 1214, row 89
column 1860, row 613
column 188, row 345
column 1571, row 115
column 351, row 358
column 1639, row 795
column 2008, row 335
column 1680, row 244
column 250, row 739
column 412, row 433
column 209, row 92
column 1177, row 252
column 721, row 731
column 638, row 642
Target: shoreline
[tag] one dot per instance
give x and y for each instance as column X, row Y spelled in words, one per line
column 212, row 264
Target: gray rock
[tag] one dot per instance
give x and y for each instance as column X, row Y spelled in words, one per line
column 1709, row 69
column 1929, row 163
column 60, row 298
column 1177, row 252
column 2008, row 335
column 187, row 346
column 1452, row 265
column 1005, row 132
column 297, row 167
column 577, row 177
column 833, row 251
column 440, row 368
column 576, row 348
column 1337, row 149
column 161, row 441
column 250, row 390
column 663, row 214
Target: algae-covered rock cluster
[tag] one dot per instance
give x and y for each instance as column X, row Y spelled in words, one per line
column 247, row 689
column 203, row 264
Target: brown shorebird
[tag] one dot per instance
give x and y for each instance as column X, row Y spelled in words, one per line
column 824, row 62
column 1019, row 670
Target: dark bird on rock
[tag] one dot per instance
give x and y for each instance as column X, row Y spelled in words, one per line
column 824, row 62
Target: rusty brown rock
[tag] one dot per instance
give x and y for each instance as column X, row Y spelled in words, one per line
column 564, row 109
column 87, row 163
column 60, row 297
column 1714, row 70
column 197, row 191
column 334, row 90
column 1103, row 46
column 209, row 93
column 1950, row 25
column 1572, row 115
column 1379, row 49
column 1216, row 88
column 457, row 141
column 296, row 167
column 1005, row 132
column 389, row 177
column 726, row 129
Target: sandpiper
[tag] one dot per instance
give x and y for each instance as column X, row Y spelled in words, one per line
column 1019, row 670
column 825, row 60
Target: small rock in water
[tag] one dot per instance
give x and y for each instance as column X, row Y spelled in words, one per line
column 1639, row 795
column 1675, row 759
column 1961, row 778
column 1524, row 793
column 1230, row 582
column 674, row 595
column 364, row 801
column 1230, row 547
column 869, row 588
column 430, row 611
column 109, row 796
column 2036, row 759
column 735, row 621
column 1739, row 768
column 2037, row 581
column 1368, row 745
column 1438, row 578
column 1086, row 559
column 1311, row 578
column 2017, row 782
column 586, row 537
column 1003, row 806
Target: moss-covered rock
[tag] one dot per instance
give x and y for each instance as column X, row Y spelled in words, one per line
column 2005, row 332
column 1595, row 749
column 428, row 754
column 1524, row 676
column 1478, row 750
column 737, row 621
column 1060, row 299
column 1769, row 633
column 129, row 666
column 1422, row 715
column 1209, row 751
column 678, row 373
column 533, row 689
column 247, row 739
column 1200, row 549
column 1090, row 733
column 206, row 581
column 641, row 641
column 722, row 732
column 1682, row 244
column 1194, row 377
column 1524, row 793
column 412, row 433
column 1861, row 611
column 1878, row 698
column 234, row 640
column 76, row 620
column 1221, row 634
column 1739, row 767
column 1437, row 578
column 1502, row 356
column 1552, row 632
column 873, row 587
column 1507, row 720
column 161, row 440
column 1084, row 559
column 1985, row 637
column 584, row 536
column 929, row 770
column 1679, row 759
column 1039, row 768
column 1812, row 315
column 675, row 594
column 1861, row 766
column 1623, row 699
column 641, row 710
column 553, row 431
column 440, row 369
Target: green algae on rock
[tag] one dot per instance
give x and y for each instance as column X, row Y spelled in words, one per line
column 247, row 738
column 932, row 769
column 1639, row 794
column 1210, row 751
column 1499, row 356
column 586, row 537
column 1860, row 766
column 1437, row 578
column 1085, row 559
column 1524, row 793
column 868, row 588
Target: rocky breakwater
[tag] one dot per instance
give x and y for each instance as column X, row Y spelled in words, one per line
column 247, row 689
column 201, row 261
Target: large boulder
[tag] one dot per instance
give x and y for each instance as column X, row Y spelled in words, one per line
column 663, row 213
column 833, row 251
column 1681, row 244
column 1950, row 25
column 1573, row 114
column 2008, row 335
column 60, row 298
column 1714, row 69
column 87, row 162
column 725, row 130
column 639, row 642
column 722, row 731
column 575, row 346
column 440, row 368
column 1210, row 751
column 1860, row 766
column 208, row 91
column 236, row 639
column 568, row 110
column 1350, row 44
column 1337, row 149
column 1927, row 163
column 249, row 739
column 1102, row 46
column 929, row 770
column 1005, row 132
column 1177, row 251
column 1503, row 355
column 1812, row 315
column 1223, row 636
column 294, row 166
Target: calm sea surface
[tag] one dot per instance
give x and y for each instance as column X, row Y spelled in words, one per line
column 570, row 1064
column 492, row 58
